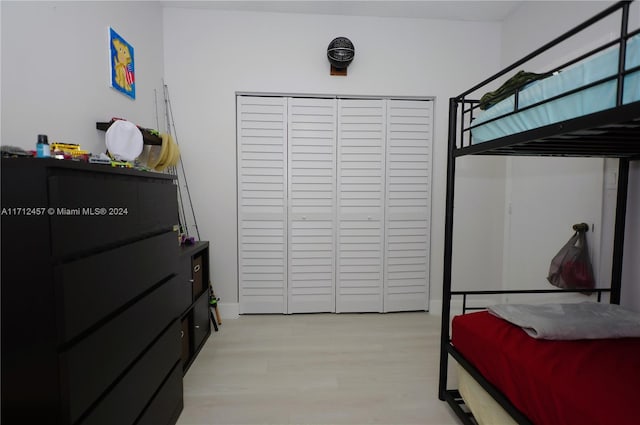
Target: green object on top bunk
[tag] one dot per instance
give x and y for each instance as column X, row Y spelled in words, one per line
column 509, row 87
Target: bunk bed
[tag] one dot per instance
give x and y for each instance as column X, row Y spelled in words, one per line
column 588, row 107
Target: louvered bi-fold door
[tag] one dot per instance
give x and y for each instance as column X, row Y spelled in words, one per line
column 408, row 204
column 311, row 150
column 262, row 204
column 360, row 230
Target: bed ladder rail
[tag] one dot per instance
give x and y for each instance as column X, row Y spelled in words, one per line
column 465, row 294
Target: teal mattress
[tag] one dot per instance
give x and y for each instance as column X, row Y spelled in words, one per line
column 593, row 99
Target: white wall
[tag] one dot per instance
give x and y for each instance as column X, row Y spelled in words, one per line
column 55, row 69
column 210, row 55
column 582, row 180
column 60, row 87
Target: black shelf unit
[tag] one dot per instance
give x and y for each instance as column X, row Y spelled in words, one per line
column 195, row 319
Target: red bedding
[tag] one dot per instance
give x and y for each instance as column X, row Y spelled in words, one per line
column 554, row 382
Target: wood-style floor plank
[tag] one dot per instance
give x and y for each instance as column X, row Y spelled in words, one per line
column 318, row 369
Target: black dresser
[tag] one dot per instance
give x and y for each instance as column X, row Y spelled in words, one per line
column 91, row 295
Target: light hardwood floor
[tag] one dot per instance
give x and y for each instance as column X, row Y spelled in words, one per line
column 318, row 369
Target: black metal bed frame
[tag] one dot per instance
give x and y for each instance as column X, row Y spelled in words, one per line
column 611, row 133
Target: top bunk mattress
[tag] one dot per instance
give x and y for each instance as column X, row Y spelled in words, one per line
column 589, row 100
column 554, row 382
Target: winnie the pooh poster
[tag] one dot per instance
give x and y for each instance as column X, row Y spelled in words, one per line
column 122, row 65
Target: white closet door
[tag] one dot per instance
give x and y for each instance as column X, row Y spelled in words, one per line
column 311, row 146
column 360, row 230
column 408, row 205
column 262, row 204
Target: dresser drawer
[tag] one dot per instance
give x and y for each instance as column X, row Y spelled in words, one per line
column 166, row 406
column 124, row 403
column 95, row 286
column 94, row 363
column 93, row 210
column 157, row 204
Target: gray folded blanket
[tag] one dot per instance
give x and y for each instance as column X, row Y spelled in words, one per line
column 571, row 321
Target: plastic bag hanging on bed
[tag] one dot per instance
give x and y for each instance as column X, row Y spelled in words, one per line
column 571, row 267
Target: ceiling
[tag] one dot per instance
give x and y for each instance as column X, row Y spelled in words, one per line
column 478, row 10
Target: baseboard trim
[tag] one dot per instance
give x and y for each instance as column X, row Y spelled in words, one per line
column 232, row 310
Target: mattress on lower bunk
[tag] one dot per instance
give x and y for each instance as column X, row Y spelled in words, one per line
column 589, row 100
column 554, row 382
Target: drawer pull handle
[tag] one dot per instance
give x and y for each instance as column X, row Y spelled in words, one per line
column 197, row 326
column 181, row 334
column 196, row 269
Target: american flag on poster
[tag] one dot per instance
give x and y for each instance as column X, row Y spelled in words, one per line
column 130, row 74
